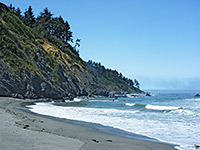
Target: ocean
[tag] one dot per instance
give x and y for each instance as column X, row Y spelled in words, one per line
column 167, row 116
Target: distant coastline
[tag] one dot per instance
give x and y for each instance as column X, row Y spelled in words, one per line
column 173, row 90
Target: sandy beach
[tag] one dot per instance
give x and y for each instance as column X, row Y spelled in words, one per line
column 22, row 130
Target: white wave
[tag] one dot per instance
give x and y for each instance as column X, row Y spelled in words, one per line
column 49, row 109
column 176, row 131
column 157, row 107
column 183, row 112
column 77, row 99
column 132, row 95
column 130, row 104
column 193, row 99
column 68, row 101
column 184, row 147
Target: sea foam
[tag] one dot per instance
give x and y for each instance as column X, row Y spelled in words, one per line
column 77, row 99
column 193, row 99
column 130, row 104
column 157, row 107
column 169, row 118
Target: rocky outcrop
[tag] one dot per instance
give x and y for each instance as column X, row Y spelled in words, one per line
column 26, row 85
column 33, row 67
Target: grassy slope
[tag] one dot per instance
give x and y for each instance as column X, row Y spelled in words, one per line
column 22, row 49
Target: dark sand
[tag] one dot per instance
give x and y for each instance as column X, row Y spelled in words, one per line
column 22, row 130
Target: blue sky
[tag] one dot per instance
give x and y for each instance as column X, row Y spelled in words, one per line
column 155, row 41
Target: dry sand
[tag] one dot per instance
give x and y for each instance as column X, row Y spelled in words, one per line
column 22, row 130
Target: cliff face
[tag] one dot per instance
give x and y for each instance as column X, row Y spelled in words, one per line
column 33, row 67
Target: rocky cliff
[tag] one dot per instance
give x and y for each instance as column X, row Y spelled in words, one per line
column 33, row 67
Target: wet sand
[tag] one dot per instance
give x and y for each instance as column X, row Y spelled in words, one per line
column 22, row 130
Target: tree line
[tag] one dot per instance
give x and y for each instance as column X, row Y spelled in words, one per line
column 99, row 70
column 57, row 31
column 48, row 27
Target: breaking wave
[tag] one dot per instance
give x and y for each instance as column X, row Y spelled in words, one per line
column 157, row 107
column 130, row 104
column 153, row 107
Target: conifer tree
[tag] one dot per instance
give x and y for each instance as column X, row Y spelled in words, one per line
column 12, row 7
column 68, row 33
column 77, row 44
column 45, row 20
column 19, row 13
column 137, row 84
column 29, row 18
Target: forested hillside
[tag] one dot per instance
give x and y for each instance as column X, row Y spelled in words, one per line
column 112, row 79
column 39, row 59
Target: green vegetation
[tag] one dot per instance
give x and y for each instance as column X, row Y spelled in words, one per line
column 43, row 46
column 15, row 25
column 28, row 18
column 54, row 29
column 9, row 52
column 112, row 79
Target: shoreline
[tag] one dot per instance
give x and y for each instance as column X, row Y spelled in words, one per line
column 95, row 127
column 65, row 134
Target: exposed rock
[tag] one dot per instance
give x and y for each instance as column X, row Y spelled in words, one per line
column 43, row 86
column 17, row 95
column 148, row 94
column 36, row 68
